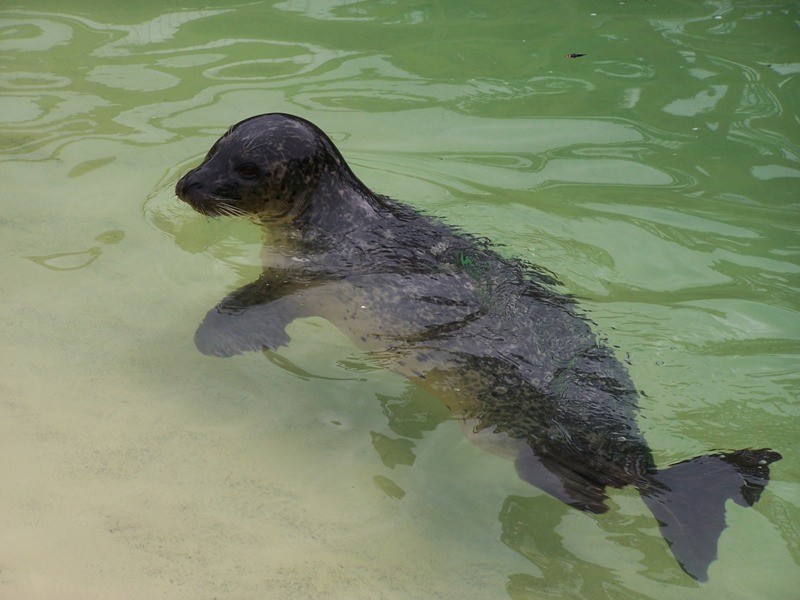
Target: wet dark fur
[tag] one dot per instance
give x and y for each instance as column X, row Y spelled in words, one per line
column 488, row 335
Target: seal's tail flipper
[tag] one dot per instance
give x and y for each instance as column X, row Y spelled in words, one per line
column 688, row 500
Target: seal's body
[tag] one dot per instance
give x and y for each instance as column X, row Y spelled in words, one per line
column 488, row 335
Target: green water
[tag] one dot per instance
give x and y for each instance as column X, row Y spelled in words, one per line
column 657, row 176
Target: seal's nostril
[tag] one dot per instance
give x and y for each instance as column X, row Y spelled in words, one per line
column 183, row 186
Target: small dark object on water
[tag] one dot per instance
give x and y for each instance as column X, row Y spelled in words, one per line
column 574, row 55
column 489, row 336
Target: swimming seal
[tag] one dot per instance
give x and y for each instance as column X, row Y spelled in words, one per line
column 489, row 336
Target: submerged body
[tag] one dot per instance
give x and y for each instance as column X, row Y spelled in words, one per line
column 487, row 335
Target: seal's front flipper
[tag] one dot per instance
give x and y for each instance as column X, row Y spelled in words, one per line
column 252, row 318
column 560, row 481
column 225, row 332
column 688, row 501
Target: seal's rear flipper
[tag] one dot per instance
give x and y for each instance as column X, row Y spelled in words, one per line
column 560, row 481
column 688, row 501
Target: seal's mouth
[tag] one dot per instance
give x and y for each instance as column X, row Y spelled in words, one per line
column 214, row 207
column 220, row 208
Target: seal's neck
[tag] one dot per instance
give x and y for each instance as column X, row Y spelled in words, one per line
column 340, row 204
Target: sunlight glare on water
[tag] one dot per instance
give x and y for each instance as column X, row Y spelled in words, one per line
column 656, row 175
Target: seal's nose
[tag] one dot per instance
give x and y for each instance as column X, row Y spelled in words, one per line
column 184, row 185
column 179, row 187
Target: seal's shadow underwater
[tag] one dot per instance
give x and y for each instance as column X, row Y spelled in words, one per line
column 489, row 336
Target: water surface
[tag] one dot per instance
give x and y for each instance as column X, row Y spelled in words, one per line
column 657, row 176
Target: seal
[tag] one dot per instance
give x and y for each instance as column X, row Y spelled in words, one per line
column 490, row 336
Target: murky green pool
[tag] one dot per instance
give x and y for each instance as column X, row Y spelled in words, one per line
column 658, row 176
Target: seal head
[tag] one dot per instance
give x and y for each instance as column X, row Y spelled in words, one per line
column 267, row 167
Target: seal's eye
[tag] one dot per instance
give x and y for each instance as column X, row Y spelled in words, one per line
column 247, row 170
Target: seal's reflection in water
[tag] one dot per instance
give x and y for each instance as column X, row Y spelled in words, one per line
column 489, row 337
